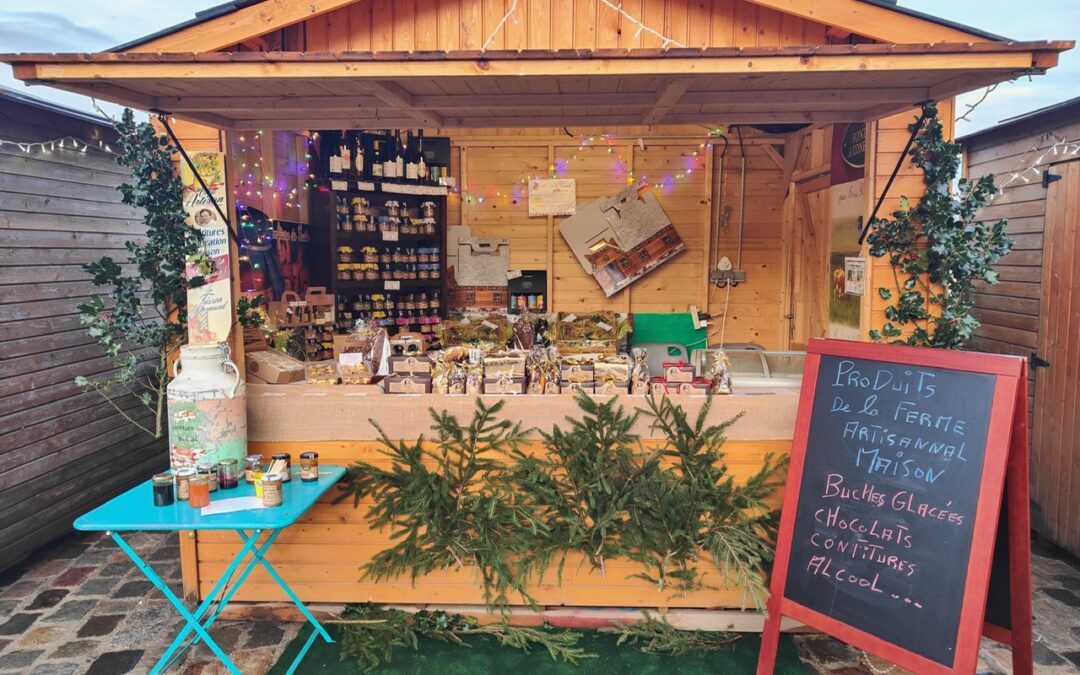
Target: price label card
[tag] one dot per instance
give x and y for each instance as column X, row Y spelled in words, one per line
column 339, row 185
column 389, row 236
column 512, row 274
column 392, row 286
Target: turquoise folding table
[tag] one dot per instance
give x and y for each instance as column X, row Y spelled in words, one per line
column 134, row 510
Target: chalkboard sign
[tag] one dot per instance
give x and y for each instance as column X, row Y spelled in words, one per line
column 893, row 499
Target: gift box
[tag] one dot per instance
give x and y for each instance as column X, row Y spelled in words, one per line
column 658, row 386
column 504, row 364
column 568, row 387
column 678, row 371
column 611, row 387
column 408, row 384
column 321, row 372
column 612, row 367
column 504, row 385
column 410, row 365
column 576, row 372
column 273, row 367
column 699, row 387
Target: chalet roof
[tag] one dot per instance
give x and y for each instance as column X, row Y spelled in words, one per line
column 1064, row 112
column 236, row 5
column 531, row 88
column 49, row 106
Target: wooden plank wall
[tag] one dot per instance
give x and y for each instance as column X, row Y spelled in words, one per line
column 1021, row 314
column 494, row 202
column 62, row 451
column 416, row 25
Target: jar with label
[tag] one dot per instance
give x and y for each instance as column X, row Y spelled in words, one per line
column 199, row 491
column 163, row 489
column 228, row 474
column 427, row 209
column 309, row 466
column 271, row 489
column 286, row 473
column 210, row 472
column 252, row 463
column 183, row 478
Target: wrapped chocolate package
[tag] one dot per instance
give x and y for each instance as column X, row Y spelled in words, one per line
column 639, row 373
column 542, row 369
column 501, row 364
column 719, row 372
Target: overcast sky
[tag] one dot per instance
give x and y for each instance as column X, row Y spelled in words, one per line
column 94, row 25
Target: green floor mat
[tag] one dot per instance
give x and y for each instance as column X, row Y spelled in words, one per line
column 485, row 656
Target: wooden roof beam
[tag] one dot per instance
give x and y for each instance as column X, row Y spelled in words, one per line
column 666, row 98
column 1005, row 61
column 396, row 96
column 875, row 22
column 241, row 25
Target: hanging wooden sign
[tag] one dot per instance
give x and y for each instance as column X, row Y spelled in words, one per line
column 893, row 502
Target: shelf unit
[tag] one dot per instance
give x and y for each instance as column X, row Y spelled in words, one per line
column 377, row 196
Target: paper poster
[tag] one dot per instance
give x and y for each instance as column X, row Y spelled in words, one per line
column 209, row 305
column 847, row 203
column 552, row 197
column 855, row 276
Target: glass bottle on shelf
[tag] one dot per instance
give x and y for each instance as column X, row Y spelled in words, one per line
column 361, row 165
column 335, row 167
column 412, row 167
column 421, row 162
column 345, row 152
column 377, row 159
column 389, row 165
column 399, row 157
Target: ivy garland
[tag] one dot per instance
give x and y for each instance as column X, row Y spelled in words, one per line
column 937, row 249
column 488, row 504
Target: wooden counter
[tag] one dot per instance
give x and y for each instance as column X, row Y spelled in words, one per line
column 321, row 556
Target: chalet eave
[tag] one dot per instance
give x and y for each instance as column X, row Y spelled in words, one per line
column 293, row 90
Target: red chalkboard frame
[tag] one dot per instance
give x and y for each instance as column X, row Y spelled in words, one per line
column 1006, row 458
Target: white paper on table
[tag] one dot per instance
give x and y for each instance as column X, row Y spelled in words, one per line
column 230, row 505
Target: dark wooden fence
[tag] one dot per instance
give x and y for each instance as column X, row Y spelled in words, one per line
column 62, row 451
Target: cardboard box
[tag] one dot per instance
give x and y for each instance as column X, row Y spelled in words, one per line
column 573, row 388
column 504, row 364
column 273, row 367
column 577, row 372
column 504, row 385
column 610, row 387
column 677, row 371
column 699, row 387
column 408, row 384
column 410, row 365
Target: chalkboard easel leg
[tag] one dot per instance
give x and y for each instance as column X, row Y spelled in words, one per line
column 1018, row 510
column 770, row 640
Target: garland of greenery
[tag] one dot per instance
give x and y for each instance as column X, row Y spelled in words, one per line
column 487, row 504
column 938, row 247
column 370, row 635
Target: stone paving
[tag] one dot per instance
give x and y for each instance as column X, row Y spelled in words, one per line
column 81, row 606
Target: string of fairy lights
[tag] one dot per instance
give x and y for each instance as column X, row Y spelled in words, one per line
column 640, row 27
column 55, row 144
column 256, row 179
column 1025, row 171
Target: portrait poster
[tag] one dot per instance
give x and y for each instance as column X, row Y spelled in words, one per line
column 209, row 305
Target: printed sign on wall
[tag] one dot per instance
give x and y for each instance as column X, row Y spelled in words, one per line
column 209, row 305
column 552, row 197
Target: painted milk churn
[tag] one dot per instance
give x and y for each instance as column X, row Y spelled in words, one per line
column 207, row 412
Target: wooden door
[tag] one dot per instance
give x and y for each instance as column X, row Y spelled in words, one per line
column 1055, row 447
